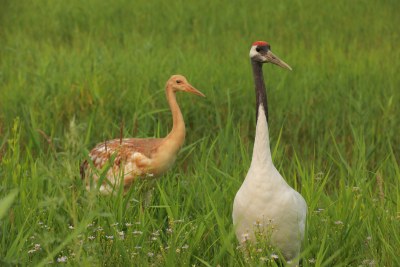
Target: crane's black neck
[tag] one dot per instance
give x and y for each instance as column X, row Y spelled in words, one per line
column 261, row 93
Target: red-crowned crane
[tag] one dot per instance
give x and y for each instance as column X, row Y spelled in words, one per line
column 265, row 203
column 131, row 158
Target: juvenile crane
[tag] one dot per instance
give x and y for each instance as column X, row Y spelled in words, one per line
column 265, row 203
column 133, row 158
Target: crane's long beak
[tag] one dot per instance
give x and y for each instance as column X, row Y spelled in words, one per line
column 191, row 89
column 276, row 60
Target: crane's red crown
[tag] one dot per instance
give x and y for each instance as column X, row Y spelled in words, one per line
column 260, row 43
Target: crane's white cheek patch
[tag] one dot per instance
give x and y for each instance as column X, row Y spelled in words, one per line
column 253, row 52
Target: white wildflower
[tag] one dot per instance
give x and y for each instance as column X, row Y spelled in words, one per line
column 245, row 237
column 121, row 234
column 258, row 224
column 274, row 256
column 62, row 259
column 137, row 232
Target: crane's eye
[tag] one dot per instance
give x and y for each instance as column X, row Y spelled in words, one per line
column 178, row 81
column 258, row 49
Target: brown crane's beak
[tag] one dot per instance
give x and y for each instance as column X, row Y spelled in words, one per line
column 276, row 60
column 191, row 89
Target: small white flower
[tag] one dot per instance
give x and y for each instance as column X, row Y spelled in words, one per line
column 91, row 237
column 121, row 234
column 62, row 259
column 114, row 224
column 36, row 247
column 150, row 254
column 111, row 237
column 319, row 210
column 274, row 256
column 128, row 224
column 186, row 246
column 138, row 247
column 338, row 222
column 312, row 260
column 137, row 232
column 258, row 224
column 245, row 237
column 71, row 227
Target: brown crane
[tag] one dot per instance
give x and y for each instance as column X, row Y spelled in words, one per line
column 132, row 158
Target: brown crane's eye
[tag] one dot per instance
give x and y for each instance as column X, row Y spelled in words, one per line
column 178, row 81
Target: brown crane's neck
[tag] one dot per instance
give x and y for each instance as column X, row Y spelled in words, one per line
column 261, row 93
column 177, row 134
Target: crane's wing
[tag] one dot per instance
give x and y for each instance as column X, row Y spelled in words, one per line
column 129, row 158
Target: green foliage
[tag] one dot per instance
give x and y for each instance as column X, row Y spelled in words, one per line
column 71, row 72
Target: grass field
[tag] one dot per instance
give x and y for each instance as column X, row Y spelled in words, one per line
column 72, row 71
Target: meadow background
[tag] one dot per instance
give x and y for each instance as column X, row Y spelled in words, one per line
column 72, row 71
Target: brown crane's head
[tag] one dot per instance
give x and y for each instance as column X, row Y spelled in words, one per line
column 260, row 51
column 179, row 83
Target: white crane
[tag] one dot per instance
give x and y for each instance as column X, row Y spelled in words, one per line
column 265, row 202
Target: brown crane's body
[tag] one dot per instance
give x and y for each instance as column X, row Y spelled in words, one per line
column 133, row 158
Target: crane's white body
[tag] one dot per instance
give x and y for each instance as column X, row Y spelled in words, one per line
column 266, row 203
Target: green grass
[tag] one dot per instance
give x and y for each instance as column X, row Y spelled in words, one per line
column 71, row 71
